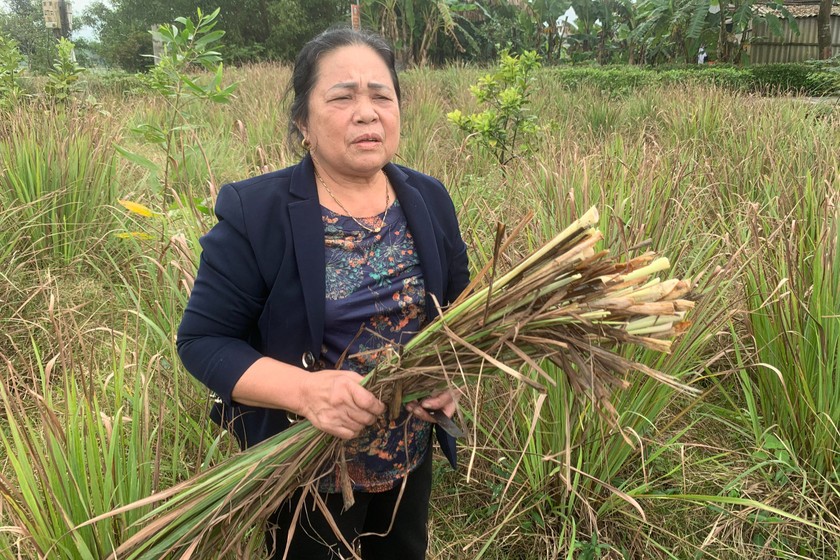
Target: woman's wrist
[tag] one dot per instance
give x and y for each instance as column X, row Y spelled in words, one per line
column 270, row 383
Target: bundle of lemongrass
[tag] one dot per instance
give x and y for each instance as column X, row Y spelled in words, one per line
column 565, row 303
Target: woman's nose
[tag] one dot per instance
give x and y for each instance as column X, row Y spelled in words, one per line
column 365, row 112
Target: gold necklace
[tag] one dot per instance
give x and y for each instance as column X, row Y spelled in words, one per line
column 387, row 203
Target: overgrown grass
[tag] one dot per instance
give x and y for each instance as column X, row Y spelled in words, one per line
column 96, row 417
column 739, row 192
column 58, row 171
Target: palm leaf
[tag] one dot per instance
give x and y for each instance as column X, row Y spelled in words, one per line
column 700, row 9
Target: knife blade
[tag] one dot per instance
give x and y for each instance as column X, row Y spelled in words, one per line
column 445, row 422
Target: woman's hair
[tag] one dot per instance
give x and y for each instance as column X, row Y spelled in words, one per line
column 305, row 72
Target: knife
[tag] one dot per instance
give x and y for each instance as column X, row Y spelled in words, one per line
column 445, row 422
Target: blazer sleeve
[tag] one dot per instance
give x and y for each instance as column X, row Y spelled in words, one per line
column 226, row 301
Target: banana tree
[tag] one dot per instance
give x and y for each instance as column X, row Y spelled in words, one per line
column 413, row 26
column 668, row 29
column 544, row 16
column 595, row 32
column 599, row 24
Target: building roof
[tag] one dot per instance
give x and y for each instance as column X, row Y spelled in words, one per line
column 799, row 9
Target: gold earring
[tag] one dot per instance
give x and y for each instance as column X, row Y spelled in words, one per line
column 306, row 144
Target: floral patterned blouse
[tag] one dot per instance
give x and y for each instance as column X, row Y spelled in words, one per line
column 375, row 294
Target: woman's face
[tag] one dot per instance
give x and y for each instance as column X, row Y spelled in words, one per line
column 354, row 117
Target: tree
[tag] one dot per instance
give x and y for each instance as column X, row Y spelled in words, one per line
column 600, row 31
column 256, row 29
column 669, row 29
column 24, row 22
column 545, row 16
column 413, row 26
column 744, row 16
column 294, row 22
column 824, row 29
column 485, row 28
column 123, row 28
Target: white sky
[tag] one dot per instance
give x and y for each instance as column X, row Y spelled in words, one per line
column 78, row 7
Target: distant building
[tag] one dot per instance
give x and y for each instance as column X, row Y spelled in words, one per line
column 789, row 47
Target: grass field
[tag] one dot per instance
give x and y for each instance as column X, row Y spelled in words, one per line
column 741, row 193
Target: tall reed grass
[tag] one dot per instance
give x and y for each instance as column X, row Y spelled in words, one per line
column 791, row 385
column 98, row 418
column 58, row 169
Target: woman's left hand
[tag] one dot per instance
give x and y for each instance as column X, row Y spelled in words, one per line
column 446, row 401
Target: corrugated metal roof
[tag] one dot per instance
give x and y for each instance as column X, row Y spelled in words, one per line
column 799, row 10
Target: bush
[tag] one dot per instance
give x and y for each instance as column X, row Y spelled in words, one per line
column 799, row 78
column 10, row 61
column 782, row 78
column 729, row 77
column 610, row 80
column 119, row 83
column 506, row 126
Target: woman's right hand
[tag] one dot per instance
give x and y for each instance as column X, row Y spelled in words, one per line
column 336, row 403
column 333, row 400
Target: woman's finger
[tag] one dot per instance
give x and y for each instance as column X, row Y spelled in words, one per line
column 444, row 400
column 365, row 400
column 419, row 412
column 361, row 417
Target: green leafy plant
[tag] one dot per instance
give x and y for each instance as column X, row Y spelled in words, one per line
column 10, row 61
column 63, row 79
column 507, row 125
column 185, row 48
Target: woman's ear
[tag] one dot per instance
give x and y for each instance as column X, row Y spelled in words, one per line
column 302, row 128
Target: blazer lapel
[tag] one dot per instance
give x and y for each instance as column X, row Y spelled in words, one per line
column 420, row 223
column 308, row 236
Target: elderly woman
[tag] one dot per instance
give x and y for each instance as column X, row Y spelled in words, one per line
column 336, row 256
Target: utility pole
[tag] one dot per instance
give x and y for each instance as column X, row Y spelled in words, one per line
column 824, row 30
column 58, row 16
column 356, row 16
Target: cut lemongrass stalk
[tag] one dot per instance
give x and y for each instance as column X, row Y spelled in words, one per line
column 682, row 288
column 653, row 308
column 653, row 329
column 645, row 322
column 524, row 302
column 588, row 219
column 658, row 265
column 655, row 289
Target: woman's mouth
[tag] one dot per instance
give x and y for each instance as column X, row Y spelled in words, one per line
column 367, row 140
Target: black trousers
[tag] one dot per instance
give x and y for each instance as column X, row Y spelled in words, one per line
column 365, row 525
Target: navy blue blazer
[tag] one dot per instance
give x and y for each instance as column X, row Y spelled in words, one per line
column 260, row 287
